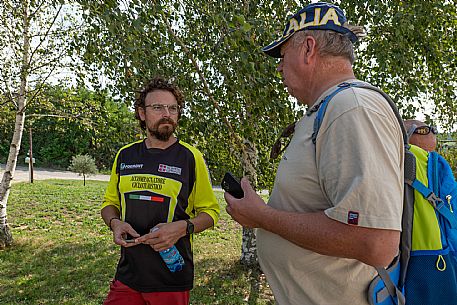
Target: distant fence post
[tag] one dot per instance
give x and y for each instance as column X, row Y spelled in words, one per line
column 31, row 156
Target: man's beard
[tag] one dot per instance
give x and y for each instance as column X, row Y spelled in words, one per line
column 165, row 132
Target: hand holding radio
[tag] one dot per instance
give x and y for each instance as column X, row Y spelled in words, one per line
column 232, row 185
column 244, row 205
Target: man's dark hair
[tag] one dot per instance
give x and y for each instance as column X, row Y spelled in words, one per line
column 157, row 83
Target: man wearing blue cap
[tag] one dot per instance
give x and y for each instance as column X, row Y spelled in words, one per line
column 335, row 209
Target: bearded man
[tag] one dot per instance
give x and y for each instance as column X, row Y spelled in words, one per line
column 158, row 183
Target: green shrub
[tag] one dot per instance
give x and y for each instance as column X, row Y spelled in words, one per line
column 84, row 165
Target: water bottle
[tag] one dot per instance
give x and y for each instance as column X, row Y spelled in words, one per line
column 171, row 257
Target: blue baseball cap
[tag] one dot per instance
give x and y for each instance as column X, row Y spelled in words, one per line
column 315, row 16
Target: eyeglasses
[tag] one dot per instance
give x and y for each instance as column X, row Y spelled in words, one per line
column 425, row 130
column 278, row 148
column 160, row 108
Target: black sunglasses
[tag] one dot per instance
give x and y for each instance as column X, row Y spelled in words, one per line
column 425, row 130
column 278, row 147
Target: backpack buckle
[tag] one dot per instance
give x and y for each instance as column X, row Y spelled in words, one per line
column 435, row 201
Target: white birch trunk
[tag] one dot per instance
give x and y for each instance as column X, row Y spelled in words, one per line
column 248, row 244
column 6, row 237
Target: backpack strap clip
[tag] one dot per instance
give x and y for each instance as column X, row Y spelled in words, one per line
column 436, row 202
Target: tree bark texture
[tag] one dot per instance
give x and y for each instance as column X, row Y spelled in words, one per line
column 6, row 238
column 248, row 244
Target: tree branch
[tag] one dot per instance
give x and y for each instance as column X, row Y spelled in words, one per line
column 207, row 91
column 46, row 35
column 32, row 15
column 56, row 33
column 8, row 94
column 43, row 81
column 44, row 64
column 9, row 34
column 4, row 103
column 39, row 115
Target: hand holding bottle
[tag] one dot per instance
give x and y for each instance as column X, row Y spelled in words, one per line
column 171, row 257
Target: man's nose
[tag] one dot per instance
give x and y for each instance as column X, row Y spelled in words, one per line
column 279, row 68
column 166, row 111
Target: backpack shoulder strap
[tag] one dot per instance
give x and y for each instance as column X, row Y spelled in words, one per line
column 392, row 289
column 432, row 173
column 322, row 108
column 343, row 86
column 428, row 192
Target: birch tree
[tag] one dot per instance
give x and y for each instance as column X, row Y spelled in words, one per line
column 34, row 40
column 212, row 50
column 237, row 105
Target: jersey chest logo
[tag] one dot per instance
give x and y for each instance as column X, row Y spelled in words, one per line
column 163, row 168
column 131, row 166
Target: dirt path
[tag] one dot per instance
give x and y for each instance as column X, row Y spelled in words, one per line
column 22, row 174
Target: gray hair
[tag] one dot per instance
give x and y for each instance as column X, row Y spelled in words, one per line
column 330, row 43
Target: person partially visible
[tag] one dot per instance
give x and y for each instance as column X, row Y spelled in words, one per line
column 336, row 206
column 158, row 196
column 421, row 134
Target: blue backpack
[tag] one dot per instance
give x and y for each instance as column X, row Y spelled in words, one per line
column 425, row 271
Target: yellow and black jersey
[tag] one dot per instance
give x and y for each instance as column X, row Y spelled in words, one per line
column 152, row 186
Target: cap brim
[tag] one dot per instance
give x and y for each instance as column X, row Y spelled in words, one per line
column 274, row 48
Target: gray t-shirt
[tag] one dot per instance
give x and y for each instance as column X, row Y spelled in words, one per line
column 355, row 171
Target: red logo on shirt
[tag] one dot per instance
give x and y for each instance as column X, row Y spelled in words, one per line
column 353, row 218
column 163, row 168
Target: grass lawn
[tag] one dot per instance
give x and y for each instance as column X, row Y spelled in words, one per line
column 63, row 253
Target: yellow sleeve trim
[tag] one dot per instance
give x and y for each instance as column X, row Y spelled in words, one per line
column 112, row 194
column 202, row 197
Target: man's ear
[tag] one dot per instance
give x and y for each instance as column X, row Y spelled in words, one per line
column 309, row 48
column 141, row 113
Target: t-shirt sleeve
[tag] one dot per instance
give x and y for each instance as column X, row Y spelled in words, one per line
column 202, row 197
column 362, row 175
column 112, row 195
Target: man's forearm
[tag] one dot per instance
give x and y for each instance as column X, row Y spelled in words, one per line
column 202, row 222
column 109, row 213
column 323, row 235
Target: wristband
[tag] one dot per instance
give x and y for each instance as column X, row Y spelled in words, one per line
column 109, row 223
